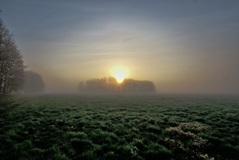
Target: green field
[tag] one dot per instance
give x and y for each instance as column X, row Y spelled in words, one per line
column 119, row 127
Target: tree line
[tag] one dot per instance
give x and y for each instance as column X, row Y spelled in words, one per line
column 110, row 85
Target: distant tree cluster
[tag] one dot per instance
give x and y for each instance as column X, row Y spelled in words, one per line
column 33, row 83
column 131, row 85
column 11, row 63
column 110, row 85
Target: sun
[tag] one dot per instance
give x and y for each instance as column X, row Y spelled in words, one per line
column 120, row 73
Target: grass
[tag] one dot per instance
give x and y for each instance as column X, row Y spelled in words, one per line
column 119, row 127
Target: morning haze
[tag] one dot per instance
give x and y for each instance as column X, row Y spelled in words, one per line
column 182, row 46
column 119, row 79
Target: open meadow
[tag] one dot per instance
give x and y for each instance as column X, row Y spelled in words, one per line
column 119, row 127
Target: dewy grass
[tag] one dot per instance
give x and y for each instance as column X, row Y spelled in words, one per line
column 118, row 127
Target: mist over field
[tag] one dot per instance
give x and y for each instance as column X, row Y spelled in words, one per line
column 182, row 47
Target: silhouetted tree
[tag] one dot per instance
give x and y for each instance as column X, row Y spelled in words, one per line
column 33, row 83
column 11, row 63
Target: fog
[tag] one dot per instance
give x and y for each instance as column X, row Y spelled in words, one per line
column 181, row 47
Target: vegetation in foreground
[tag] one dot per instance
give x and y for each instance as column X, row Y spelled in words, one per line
column 118, row 127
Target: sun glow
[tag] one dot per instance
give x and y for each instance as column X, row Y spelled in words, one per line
column 120, row 73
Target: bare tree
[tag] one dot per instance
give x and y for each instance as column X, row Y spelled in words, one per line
column 11, row 63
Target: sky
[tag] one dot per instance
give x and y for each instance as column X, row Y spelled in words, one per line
column 186, row 46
